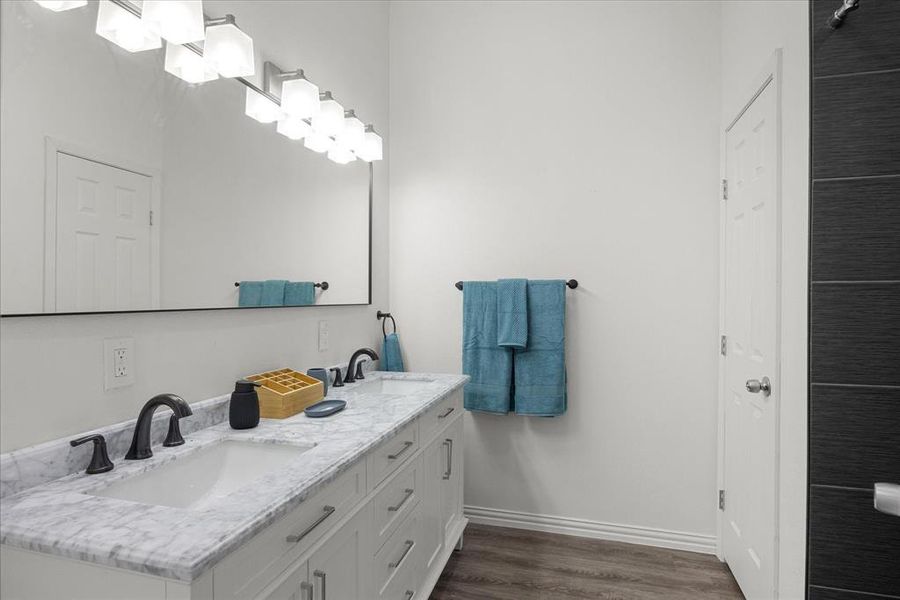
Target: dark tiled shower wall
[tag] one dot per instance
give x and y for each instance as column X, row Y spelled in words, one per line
column 854, row 322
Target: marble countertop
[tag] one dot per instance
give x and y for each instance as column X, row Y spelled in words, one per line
column 63, row 518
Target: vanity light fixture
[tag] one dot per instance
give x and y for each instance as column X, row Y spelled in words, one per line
column 228, row 49
column 330, row 120
column 341, row 154
column 353, row 133
column 61, row 5
column 119, row 21
column 318, row 141
column 176, row 21
column 186, row 64
column 262, row 107
column 293, row 128
column 372, row 146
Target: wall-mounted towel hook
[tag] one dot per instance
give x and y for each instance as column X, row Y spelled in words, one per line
column 383, row 317
column 837, row 18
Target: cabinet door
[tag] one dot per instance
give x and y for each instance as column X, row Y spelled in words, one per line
column 338, row 570
column 292, row 587
column 451, row 478
column 434, row 459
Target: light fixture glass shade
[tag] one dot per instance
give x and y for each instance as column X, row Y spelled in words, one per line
column 293, row 128
column 177, row 21
column 262, row 108
column 300, row 98
column 229, row 50
column 330, row 120
column 341, row 155
column 124, row 29
column 371, row 148
column 353, row 133
column 188, row 65
column 318, row 142
column 61, row 5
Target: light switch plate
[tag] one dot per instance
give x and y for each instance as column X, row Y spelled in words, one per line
column 323, row 336
column 118, row 363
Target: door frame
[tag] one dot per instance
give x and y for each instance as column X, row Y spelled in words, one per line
column 770, row 75
column 52, row 148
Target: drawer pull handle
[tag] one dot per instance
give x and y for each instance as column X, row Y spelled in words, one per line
column 449, row 445
column 446, row 413
column 409, row 546
column 307, row 590
column 327, row 511
column 409, row 595
column 409, row 493
column 406, row 446
column 321, row 575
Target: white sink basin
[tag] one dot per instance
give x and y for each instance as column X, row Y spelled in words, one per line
column 396, row 387
column 196, row 480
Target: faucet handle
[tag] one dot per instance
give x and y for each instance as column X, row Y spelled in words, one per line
column 359, row 369
column 338, row 378
column 100, row 462
column 173, row 437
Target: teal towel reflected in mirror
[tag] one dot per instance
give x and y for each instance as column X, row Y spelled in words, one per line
column 299, row 293
column 273, row 292
column 250, row 293
column 392, row 358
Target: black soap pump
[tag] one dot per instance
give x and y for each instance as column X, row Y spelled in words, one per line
column 243, row 411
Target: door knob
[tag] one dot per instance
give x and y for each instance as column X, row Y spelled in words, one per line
column 755, row 386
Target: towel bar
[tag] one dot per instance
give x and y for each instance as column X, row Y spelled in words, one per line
column 572, row 283
column 323, row 285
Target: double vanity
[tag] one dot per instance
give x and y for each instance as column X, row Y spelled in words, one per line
column 364, row 504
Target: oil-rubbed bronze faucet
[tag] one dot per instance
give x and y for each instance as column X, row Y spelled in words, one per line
column 140, row 443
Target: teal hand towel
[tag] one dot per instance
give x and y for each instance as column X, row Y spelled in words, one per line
column 273, row 292
column 299, row 293
column 512, row 313
column 250, row 293
column 540, row 369
column 392, row 359
column 488, row 365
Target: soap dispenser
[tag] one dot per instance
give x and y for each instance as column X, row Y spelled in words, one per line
column 243, row 411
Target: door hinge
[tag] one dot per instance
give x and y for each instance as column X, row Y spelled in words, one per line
column 724, row 189
column 151, row 218
column 721, row 499
column 723, row 345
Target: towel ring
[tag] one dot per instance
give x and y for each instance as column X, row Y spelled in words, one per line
column 383, row 317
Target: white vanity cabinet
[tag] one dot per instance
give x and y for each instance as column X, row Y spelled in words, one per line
column 382, row 529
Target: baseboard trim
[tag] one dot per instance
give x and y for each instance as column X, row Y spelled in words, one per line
column 662, row 538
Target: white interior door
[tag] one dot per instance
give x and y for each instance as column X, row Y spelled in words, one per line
column 751, row 359
column 103, row 245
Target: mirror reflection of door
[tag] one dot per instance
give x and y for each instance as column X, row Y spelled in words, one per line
column 103, row 255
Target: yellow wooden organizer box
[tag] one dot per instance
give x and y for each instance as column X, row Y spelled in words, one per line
column 285, row 392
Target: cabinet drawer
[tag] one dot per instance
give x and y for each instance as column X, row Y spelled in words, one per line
column 398, row 563
column 251, row 567
column 439, row 415
column 385, row 459
column 398, row 498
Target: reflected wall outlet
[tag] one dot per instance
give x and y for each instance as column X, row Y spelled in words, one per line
column 323, row 336
column 118, row 363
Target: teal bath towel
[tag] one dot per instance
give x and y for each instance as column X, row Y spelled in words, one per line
column 392, row 359
column 512, row 313
column 250, row 293
column 273, row 292
column 540, row 369
column 488, row 365
column 299, row 293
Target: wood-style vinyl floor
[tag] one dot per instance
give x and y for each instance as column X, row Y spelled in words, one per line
column 498, row 563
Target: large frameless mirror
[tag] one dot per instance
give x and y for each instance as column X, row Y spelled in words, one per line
column 125, row 188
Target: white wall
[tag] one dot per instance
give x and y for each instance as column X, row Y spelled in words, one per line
column 751, row 30
column 51, row 378
column 564, row 139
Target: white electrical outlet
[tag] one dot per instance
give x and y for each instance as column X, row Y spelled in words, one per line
column 323, row 336
column 118, row 362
